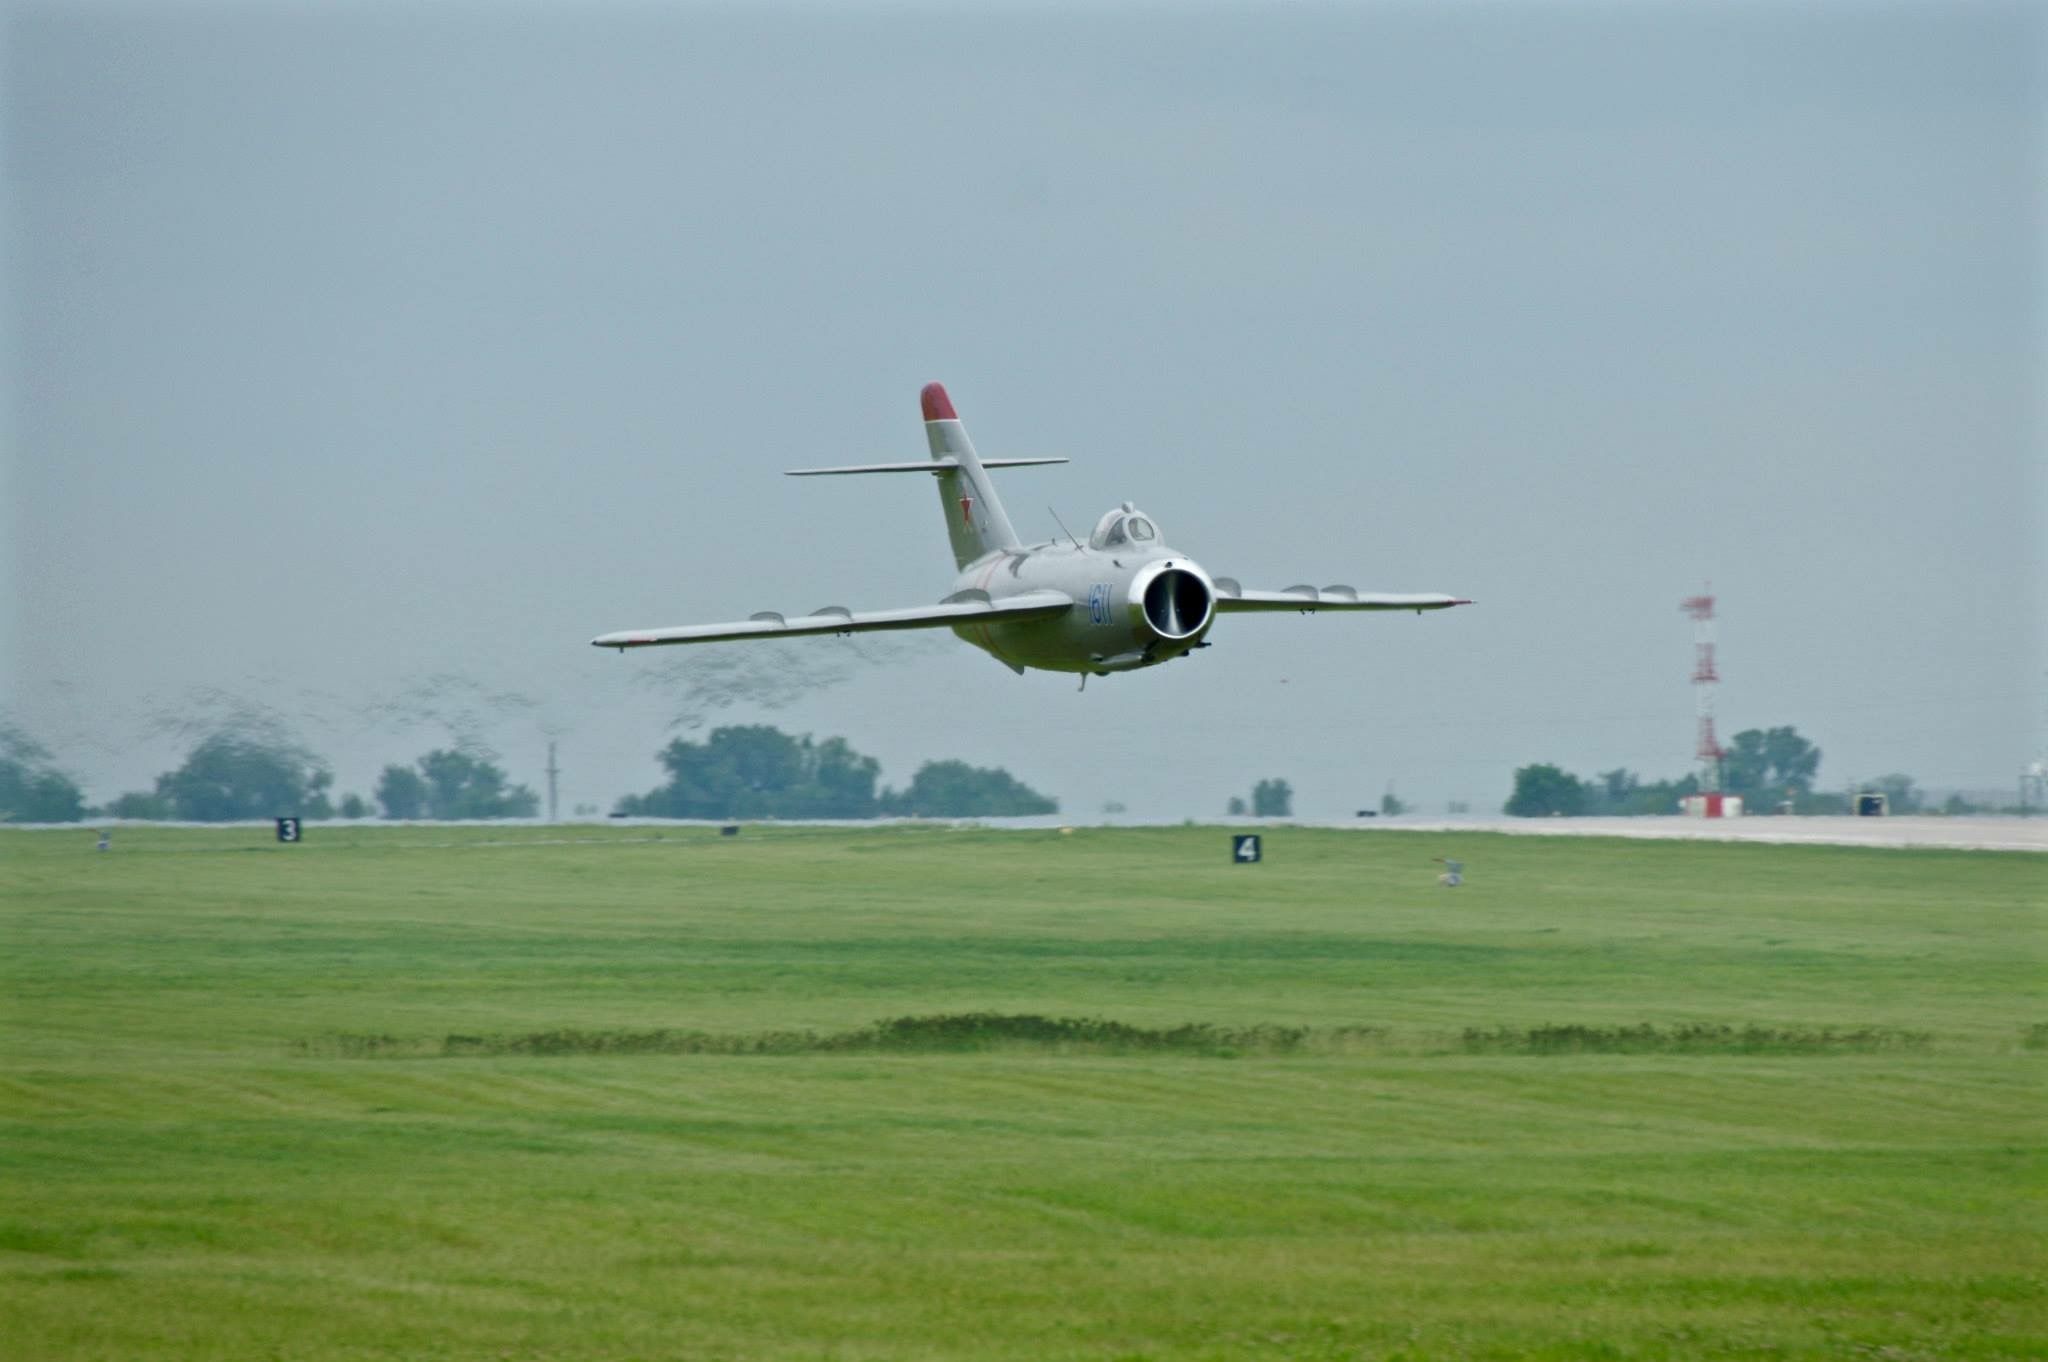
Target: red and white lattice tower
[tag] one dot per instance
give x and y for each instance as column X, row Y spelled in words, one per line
column 1701, row 608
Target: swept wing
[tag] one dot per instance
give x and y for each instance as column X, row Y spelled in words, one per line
column 1232, row 598
column 932, row 465
column 962, row 607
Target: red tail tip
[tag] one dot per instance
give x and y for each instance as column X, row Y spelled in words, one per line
column 937, row 406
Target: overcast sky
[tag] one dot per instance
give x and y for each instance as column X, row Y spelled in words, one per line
column 365, row 360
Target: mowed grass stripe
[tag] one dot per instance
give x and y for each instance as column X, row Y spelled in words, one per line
column 1399, row 1105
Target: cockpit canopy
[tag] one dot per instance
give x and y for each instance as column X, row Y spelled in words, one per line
column 1126, row 527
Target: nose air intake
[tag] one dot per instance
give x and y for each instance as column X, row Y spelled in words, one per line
column 1177, row 604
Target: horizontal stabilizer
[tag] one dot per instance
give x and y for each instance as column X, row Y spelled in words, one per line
column 921, row 466
column 962, row 607
column 1231, row 597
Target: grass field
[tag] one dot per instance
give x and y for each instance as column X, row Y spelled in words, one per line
column 598, row 1093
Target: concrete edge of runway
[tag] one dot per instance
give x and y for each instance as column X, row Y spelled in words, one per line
column 1958, row 834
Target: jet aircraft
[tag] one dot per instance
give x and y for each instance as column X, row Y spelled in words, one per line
column 1122, row 601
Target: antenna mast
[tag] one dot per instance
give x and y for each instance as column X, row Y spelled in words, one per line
column 1063, row 527
column 553, row 771
column 1704, row 677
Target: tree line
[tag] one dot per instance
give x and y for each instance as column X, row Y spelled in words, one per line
column 1772, row 769
column 229, row 778
column 1272, row 798
column 737, row 772
column 757, row 771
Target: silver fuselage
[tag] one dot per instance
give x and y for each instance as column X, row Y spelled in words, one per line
column 1133, row 607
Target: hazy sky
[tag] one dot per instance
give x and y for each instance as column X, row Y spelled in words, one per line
column 354, row 348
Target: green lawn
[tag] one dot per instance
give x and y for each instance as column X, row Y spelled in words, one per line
column 263, row 1101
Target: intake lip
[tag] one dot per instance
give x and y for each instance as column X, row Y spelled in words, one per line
column 1177, row 598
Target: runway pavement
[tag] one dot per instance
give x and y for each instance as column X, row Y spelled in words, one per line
column 1969, row 834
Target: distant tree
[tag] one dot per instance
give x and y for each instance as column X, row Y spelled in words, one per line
column 1392, row 805
column 1622, row 793
column 1273, row 799
column 452, row 784
column 1235, row 808
column 758, row 771
column 228, row 776
column 1613, row 789
column 842, row 783
column 1665, row 796
column 465, row 785
column 353, row 806
column 45, row 796
column 31, row 790
column 1795, row 762
column 141, row 804
column 402, row 793
column 1541, row 791
column 1769, row 766
column 1900, row 796
column 1744, row 768
column 953, row 789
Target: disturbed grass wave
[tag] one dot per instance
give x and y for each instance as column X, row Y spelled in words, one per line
column 963, row 1032
column 960, row 1031
column 1689, row 1038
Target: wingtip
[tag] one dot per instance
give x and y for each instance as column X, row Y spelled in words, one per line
column 937, row 406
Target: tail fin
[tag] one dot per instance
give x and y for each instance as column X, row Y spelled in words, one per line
column 974, row 517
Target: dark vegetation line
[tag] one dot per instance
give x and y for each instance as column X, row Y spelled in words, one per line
column 979, row 1031
column 1689, row 1038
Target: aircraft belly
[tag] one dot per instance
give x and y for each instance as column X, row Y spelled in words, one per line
column 1102, row 625
column 1044, row 644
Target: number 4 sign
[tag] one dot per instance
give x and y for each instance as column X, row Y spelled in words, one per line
column 1244, row 848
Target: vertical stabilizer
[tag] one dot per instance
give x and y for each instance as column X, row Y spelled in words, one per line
column 974, row 518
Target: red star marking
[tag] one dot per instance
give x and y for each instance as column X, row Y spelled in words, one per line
column 967, row 512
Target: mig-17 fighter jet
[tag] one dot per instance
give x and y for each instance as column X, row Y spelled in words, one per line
column 1122, row 601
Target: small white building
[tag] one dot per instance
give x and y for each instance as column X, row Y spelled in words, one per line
column 1714, row 805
